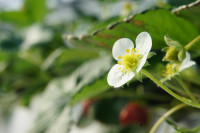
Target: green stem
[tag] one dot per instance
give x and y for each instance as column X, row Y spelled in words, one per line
column 174, row 88
column 180, row 129
column 190, row 44
column 187, row 90
column 182, row 99
column 168, row 113
column 180, row 91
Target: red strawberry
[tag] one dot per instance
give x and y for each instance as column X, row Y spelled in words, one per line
column 133, row 113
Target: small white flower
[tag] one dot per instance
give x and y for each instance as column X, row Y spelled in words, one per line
column 175, row 68
column 130, row 59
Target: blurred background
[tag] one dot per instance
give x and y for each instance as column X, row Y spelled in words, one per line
column 39, row 69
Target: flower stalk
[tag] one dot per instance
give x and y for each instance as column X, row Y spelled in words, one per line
column 190, row 44
column 187, row 90
column 167, row 114
column 182, row 99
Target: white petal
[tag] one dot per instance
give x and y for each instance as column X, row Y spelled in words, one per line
column 116, row 78
column 186, row 62
column 143, row 43
column 141, row 63
column 187, row 58
column 184, row 66
column 120, row 46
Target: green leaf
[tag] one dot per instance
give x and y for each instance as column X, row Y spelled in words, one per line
column 35, row 9
column 17, row 17
column 86, row 84
column 69, row 56
column 179, row 2
column 151, row 21
column 68, row 61
column 91, row 90
column 189, row 12
column 32, row 11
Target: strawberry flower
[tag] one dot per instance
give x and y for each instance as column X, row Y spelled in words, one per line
column 130, row 59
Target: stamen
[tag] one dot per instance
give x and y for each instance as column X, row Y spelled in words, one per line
column 133, row 49
column 119, row 62
column 163, row 75
column 129, row 61
column 119, row 68
column 127, row 50
column 120, row 57
column 122, row 70
column 138, row 51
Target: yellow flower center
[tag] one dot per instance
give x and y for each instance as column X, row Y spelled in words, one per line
column 171, row 69
column 129, row 60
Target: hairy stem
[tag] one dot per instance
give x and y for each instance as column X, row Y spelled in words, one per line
column 187, row 90
column 168, row 113
column 182, row 99
column 190, row 44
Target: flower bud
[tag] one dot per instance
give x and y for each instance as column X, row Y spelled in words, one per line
column 171, row 54
column 175, row 51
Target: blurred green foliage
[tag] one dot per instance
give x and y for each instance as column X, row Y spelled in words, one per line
column 33, row 11
column 67, row 69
